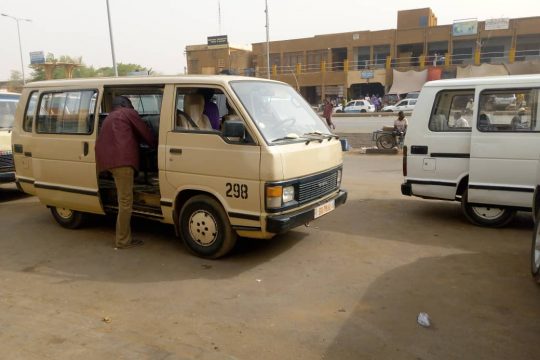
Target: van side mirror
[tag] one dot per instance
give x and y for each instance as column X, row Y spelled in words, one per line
column 233, row 128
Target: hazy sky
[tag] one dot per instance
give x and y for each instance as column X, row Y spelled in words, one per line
column 154, row 33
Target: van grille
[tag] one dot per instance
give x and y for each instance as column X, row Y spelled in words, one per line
column 6, row 161
column 316, row 187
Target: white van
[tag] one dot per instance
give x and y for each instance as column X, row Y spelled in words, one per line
column 467, row 142
column 8, row 105
column 270, row 166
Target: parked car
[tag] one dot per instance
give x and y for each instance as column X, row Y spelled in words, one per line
column 535, row 249
column 390, row 99
column 412, row 95
column 403, row 105
column 355, row 106
column 338, row 109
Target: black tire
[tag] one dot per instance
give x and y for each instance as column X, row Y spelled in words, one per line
column 386, row 141
column 205, row 227
column 70, row 219
column 489, row 216
column 535, row 252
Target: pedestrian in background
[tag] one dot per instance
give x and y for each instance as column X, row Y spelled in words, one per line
column 327, row 113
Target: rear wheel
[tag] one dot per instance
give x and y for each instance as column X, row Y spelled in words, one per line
column 386, row 141
column 490, row 216
column 205, row 227
column 67, row 218
column 535, row 252
column 363, row 110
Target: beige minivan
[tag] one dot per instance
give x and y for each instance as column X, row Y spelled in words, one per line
column 267, row 164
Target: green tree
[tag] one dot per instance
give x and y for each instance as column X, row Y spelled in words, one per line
column 15, row 81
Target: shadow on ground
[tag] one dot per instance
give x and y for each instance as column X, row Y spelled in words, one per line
column 498, row 323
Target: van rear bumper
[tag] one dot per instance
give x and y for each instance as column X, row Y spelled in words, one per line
column 277, row 224
column 406, row 189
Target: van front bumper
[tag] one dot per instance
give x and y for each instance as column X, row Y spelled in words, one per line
column 7, row 177
column 277, row 224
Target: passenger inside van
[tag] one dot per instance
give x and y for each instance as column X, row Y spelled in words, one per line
column 192, row 118
column 519, row 121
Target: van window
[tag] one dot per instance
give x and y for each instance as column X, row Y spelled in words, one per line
column 30, row 112
column 513, row 110
column 7, row 113
column 452, row 111
column 146, row 104
column 70, row 112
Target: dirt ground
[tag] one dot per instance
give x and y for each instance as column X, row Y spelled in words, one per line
column 350, row 286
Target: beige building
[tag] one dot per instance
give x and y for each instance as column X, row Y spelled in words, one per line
column 353, row 64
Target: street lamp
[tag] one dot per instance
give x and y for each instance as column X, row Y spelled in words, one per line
column 111, row 39
column 19, row 34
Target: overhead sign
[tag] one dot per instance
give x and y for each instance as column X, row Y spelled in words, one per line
column 217, row 40
column 497, row 24
column 37, row 57
column 464, row 28
column 367, row 74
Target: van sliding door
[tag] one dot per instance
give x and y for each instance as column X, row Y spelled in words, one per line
column 505, row 147
column 63, row 150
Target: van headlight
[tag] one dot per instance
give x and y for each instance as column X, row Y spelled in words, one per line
column 339, row 178
column 279, row 196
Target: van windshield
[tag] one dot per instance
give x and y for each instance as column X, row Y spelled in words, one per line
column 279, row 112
column 7, row 113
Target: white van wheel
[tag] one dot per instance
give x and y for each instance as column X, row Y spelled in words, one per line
column 491, row 216
column 205, row 227
column 67, row 218
column 535, row 252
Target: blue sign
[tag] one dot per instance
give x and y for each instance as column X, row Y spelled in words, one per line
column 37, row 57
column 367, row 74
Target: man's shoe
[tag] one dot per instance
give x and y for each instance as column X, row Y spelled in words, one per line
column 133, row 243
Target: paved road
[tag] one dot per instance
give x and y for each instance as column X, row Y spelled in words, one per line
column 350, row 286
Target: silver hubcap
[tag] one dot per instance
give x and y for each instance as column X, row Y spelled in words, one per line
column 64, row 213
column 536, row 250
column 488, row 213
column 203, row 228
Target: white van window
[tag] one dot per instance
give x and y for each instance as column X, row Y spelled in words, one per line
column 513, row 110
column 146, row 104
column 70, row 112
column 30, row 112
column 452, row 111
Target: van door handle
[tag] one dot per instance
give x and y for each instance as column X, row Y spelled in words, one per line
column 175, row 151
column 85, row 148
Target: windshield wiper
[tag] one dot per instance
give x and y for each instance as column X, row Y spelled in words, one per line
column 322, row 136
column 291, row 136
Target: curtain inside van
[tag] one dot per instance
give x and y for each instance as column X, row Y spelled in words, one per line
column 481, row 70
column 408, row 81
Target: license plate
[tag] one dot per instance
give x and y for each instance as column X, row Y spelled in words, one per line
column 324, row 209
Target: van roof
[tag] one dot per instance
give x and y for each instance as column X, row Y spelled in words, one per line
column 486, row 80
column 146, row 80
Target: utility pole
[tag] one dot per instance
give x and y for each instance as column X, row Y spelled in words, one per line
column 19, row 35
column 267, row 41
column 111, row 39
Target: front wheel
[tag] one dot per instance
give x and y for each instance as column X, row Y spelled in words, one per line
column 67, row 218
column 386, row 141
column 205, row 227
column 535, row 252
column 489, row 216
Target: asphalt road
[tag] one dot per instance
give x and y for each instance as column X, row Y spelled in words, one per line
column 350, row 286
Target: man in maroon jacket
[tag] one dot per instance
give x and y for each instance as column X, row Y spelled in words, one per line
column 117, row 151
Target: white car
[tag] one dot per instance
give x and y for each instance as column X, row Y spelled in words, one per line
column 362, row 106
column 403, row 105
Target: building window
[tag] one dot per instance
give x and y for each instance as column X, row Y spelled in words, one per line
column 292, row 58
column 314, row 59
